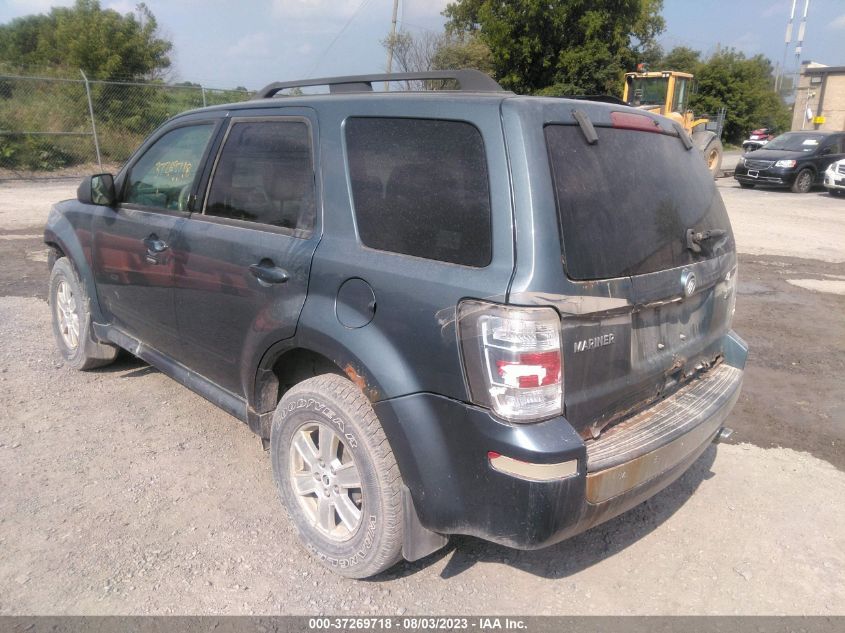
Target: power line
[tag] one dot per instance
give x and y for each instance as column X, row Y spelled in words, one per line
column 337, row 37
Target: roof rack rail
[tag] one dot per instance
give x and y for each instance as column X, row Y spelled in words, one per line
column 469, row 81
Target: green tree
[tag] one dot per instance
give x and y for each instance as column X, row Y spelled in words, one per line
column 463, row 50
column 680, row 58
column 743, row 86
column 574, row 45
column 103, row 43
column 439, row 51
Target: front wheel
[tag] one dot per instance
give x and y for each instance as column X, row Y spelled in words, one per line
column 713, row 156
column 72, row 321
column 746, row 185
column 803, row 181
column 337, row 476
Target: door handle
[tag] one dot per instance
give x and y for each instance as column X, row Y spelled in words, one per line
column 154, row 244
column 155, row 247
column 268, row 273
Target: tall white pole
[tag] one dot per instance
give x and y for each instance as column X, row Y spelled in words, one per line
column 787, row 42
column 800, row 42
column 801, row 28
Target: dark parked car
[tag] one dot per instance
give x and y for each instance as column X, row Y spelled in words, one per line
column 444, row 312
column 796, row 159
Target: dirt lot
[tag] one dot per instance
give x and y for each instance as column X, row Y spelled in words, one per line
column 126, row 493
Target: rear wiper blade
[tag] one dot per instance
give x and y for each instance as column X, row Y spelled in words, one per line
column 586, row 126
column 694, row 239
column 685, row 138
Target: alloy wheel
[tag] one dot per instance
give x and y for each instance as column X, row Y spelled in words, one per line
column 326, row 481
column 67, row 314
column 804, row 181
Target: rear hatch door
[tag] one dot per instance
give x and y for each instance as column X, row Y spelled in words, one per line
column 651, row 303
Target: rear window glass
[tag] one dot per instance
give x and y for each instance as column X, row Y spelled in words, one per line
column 419, row 187
column 626, row 202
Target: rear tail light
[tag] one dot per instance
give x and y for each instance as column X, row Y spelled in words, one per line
column 512, row 359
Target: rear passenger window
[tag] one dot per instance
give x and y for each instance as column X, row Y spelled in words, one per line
column 265, row 175
column 419, row 187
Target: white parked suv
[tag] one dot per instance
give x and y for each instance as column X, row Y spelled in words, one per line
column 834, row 178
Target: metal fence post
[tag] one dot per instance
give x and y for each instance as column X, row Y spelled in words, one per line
column 93, row 123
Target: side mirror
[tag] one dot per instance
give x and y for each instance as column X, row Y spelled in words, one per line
column 826, row 151
column 97, row 189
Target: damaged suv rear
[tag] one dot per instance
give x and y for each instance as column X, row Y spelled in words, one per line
column 445, row 312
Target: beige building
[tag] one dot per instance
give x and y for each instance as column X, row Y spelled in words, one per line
column 820, row 98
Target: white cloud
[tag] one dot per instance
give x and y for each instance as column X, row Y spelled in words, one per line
column 837, row 23
column 343, row 9
column 415, row 11
column 749, row 42
column 251, row 45
column 121, row 6
column 777, row 8
column 28, row 7
column 315, row 9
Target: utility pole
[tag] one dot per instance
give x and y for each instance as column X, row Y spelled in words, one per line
column 800, row 43
column 788, row 40
column 392, row 37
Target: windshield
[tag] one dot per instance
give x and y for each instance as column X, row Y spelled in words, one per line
column 647, row 91
column 796, row 142
column 626, row 202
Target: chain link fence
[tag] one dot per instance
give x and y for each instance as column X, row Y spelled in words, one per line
column 51, row 126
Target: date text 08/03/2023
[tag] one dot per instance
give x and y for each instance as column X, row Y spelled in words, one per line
column 418, row 623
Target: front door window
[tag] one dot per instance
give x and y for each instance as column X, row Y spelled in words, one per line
column 163, row 176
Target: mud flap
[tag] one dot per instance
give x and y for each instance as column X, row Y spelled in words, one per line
column 417, row 541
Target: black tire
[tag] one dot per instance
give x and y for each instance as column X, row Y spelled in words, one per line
column 803, row 181
column 836, row 193
column 332, row 404
column 747, row 185
column 70, row 308
column 711, row 150
column 713, row 157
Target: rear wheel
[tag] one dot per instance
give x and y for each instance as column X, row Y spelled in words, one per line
column 337, row 476
column 835, row 192
column 803, row 181
column 72, row 321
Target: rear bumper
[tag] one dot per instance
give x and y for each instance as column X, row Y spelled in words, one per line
column 441, row 446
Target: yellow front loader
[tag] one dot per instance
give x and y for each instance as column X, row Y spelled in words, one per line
column 667, row 92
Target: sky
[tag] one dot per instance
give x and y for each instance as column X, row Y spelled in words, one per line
column 223, row 44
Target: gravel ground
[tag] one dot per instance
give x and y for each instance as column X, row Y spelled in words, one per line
column 125, row 493
column 778, row 222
